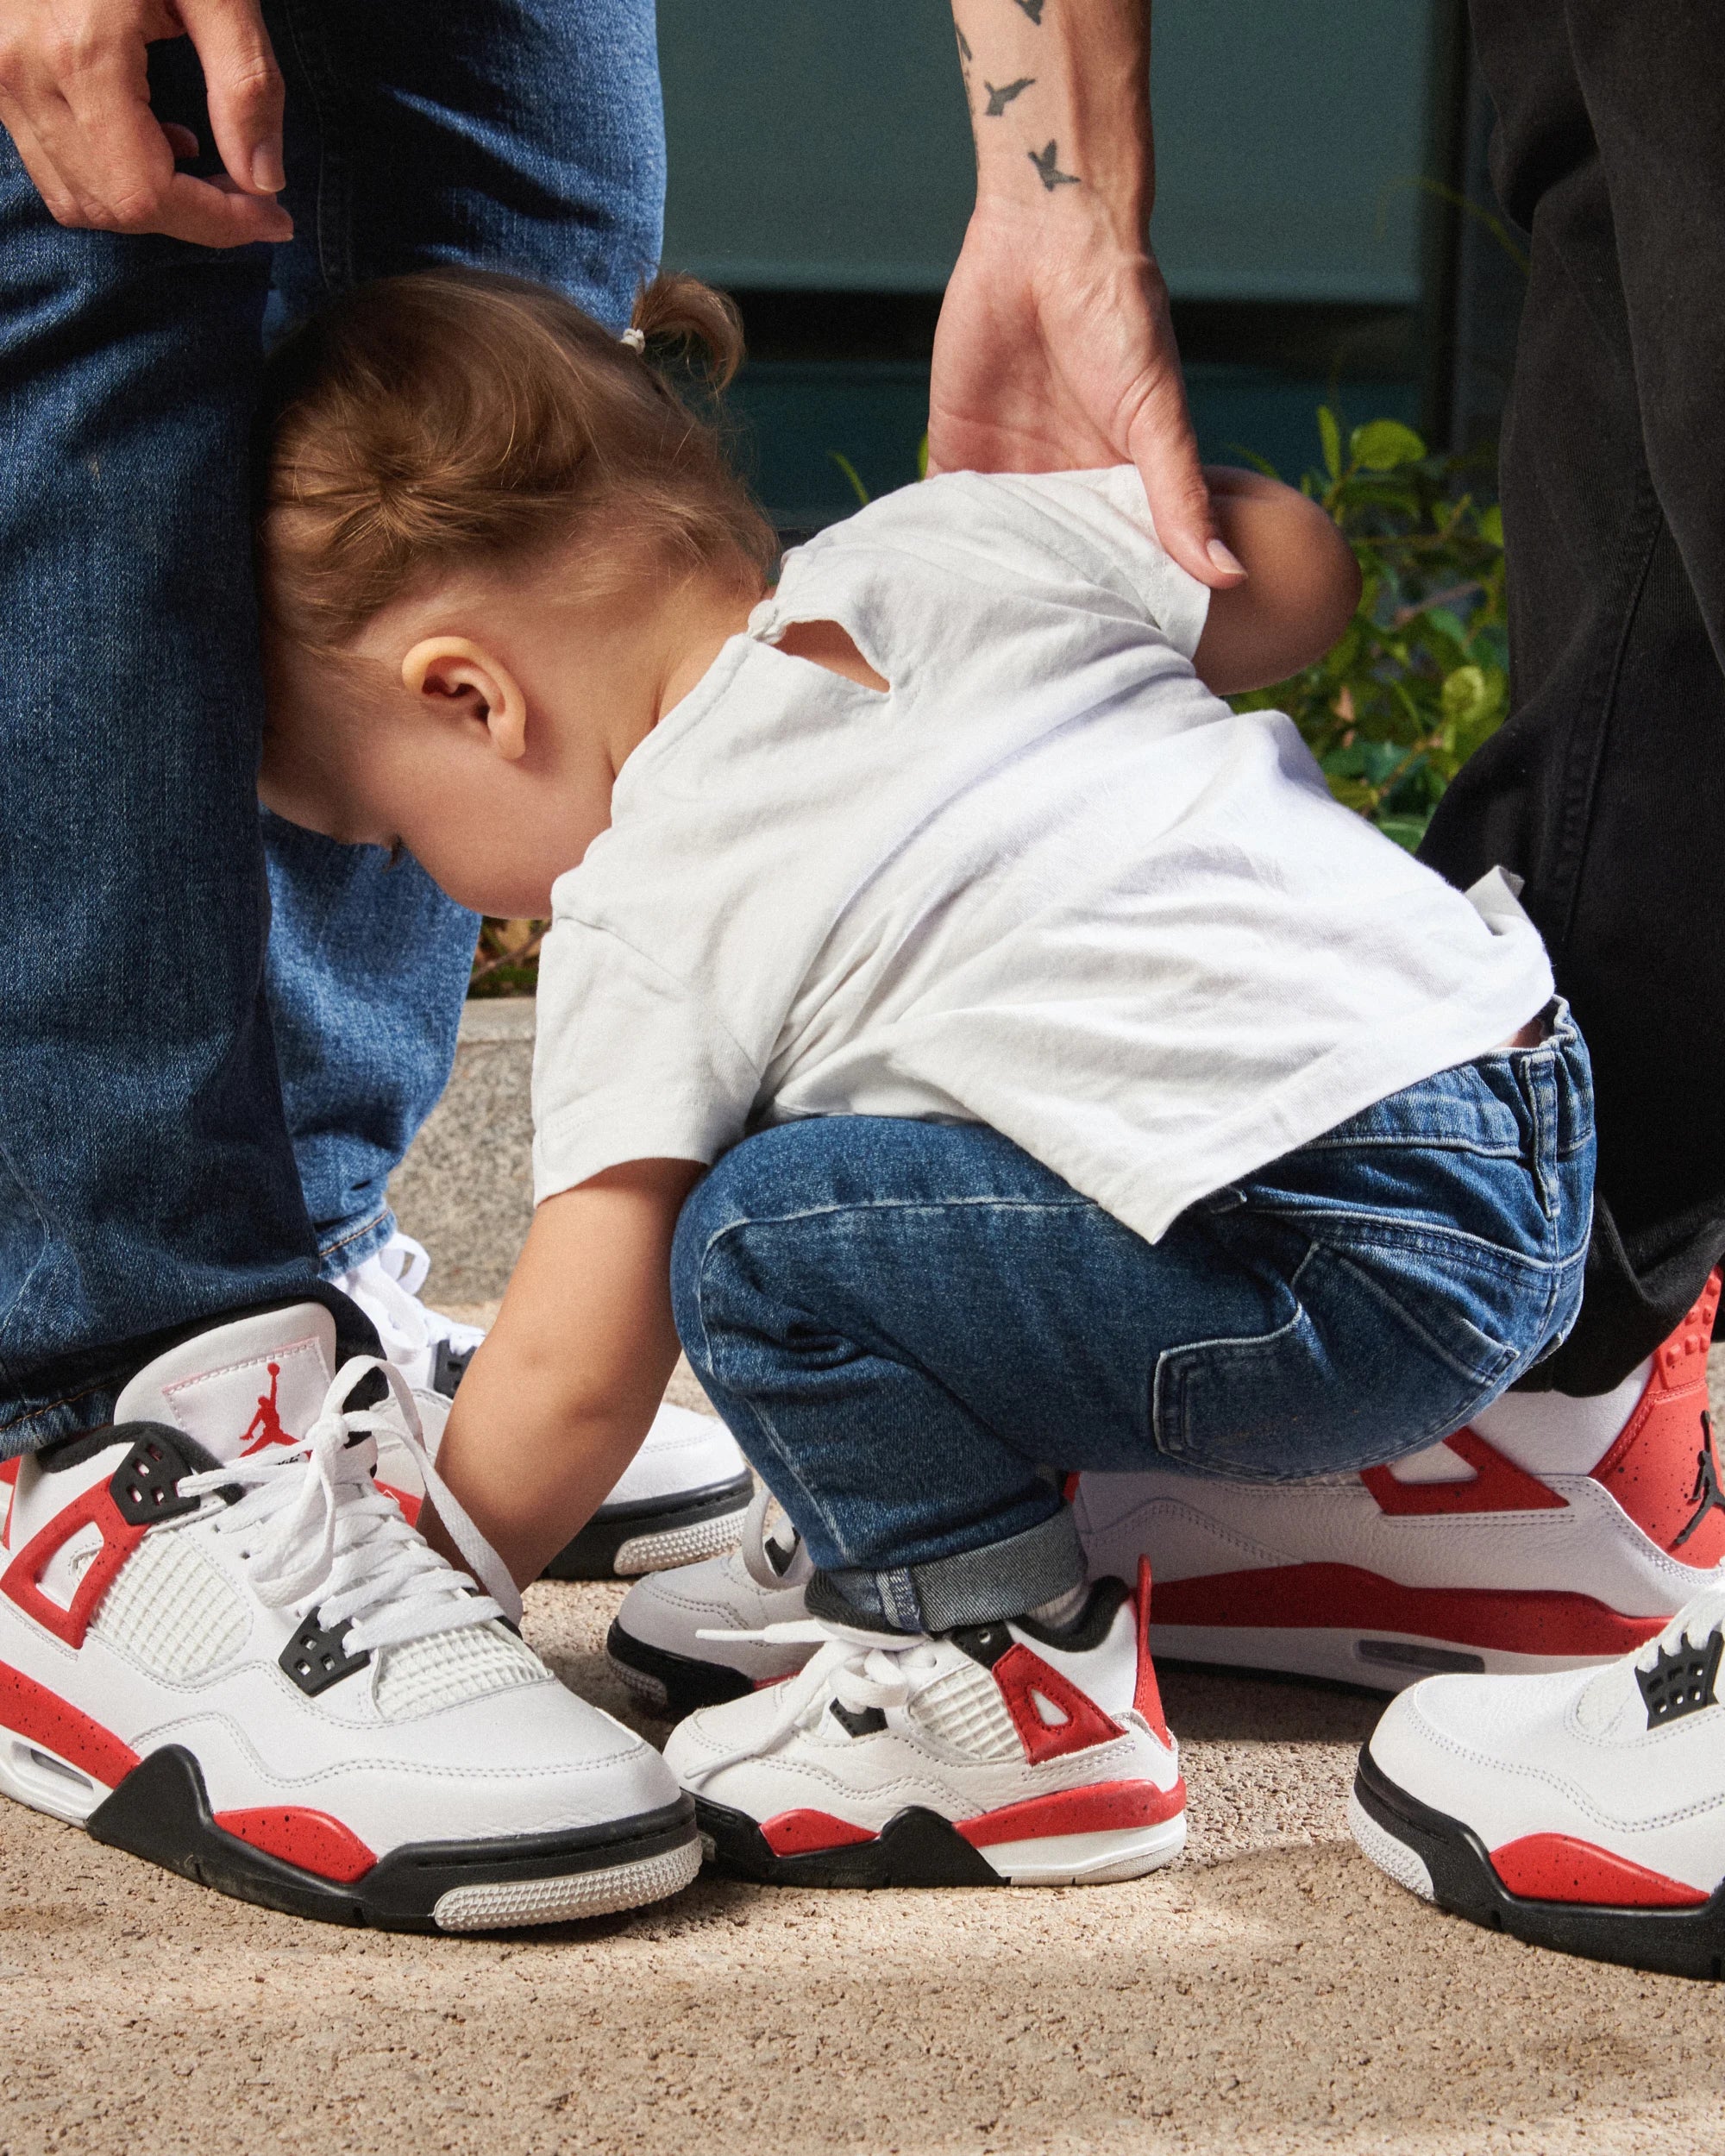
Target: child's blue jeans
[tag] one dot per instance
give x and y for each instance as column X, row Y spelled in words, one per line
column 906, row 1324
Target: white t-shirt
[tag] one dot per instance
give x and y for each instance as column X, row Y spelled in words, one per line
column 1048, row 882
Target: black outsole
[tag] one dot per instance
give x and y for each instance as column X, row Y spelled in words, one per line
column 688, row 1684
column 161, row 1813
column 915, row 1848
column 1676, row 1942
column 592, row 1553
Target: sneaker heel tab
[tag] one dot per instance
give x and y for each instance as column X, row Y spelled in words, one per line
column 1146, row 1693
column 1682, row 1358
column 1663, row 1468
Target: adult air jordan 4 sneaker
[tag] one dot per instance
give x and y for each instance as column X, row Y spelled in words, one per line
column 1581, row 1810
column 1557, row 1532
column 224, row 1649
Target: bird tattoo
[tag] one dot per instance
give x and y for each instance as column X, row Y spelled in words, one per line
column 1033, row 9
column 999, row 100
column 1048, row 171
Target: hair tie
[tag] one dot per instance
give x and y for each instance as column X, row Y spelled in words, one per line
column 635, row 339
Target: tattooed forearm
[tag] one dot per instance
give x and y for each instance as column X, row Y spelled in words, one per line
column 999, row 100
column 1062, row 85
column 1049, row 172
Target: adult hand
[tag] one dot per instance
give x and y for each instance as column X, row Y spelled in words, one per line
column 75, row 98
column 1054, row 352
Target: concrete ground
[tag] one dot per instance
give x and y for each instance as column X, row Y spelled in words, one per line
column 1270, row 1992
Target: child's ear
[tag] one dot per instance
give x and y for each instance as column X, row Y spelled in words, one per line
column 454, row 670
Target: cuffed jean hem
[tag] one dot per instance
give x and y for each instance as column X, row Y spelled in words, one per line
column 1002, row 1579
column 29, row 1425
column 351, row 1247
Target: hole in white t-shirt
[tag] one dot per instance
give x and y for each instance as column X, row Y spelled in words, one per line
column 829, row 644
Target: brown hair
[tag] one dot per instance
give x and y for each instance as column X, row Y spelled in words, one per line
column 446, row 420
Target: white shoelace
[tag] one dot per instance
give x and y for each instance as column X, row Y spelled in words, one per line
column 860, row 1669
column 752, row 1547
column 324, row 1536
column 386, row 1286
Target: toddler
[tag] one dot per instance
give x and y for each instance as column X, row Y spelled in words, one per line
column 986, row 1052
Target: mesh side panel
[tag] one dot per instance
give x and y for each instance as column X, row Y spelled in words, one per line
column 965, row 1709
column 172, row 1612
column 423, row 1674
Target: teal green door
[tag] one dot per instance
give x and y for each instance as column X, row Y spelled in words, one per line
column 822, row 145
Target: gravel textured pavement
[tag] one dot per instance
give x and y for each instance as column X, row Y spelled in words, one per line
column 1271, row 1992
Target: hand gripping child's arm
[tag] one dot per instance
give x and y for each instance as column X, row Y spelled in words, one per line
column 555, row 1404
column 1302, row 584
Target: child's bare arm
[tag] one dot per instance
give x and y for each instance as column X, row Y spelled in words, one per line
column 1302, row 584
column 557, row 1400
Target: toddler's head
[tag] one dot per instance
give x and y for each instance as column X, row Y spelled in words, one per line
column 494, row 545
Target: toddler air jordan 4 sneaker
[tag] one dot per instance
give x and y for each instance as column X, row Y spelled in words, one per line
column 1006, row 1753
column 224, row 1649
column 1552, row 1532
column 680, row 1498
column 1584, row 1810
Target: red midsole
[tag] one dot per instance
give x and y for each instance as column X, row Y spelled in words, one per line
column 311, row 1841
column 42, row 1717
column 1344, row 1598
column 1099, row 1808
column 1558, row 1868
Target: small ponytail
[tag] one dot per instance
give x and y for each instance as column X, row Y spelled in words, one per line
column 682, row 311
column 453, row 418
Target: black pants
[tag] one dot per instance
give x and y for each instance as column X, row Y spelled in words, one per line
column 1606, row 787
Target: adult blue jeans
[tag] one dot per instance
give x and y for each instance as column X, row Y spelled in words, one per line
column 181, row 1135
column 906, row 1323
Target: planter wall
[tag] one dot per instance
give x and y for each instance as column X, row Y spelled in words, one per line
column 466, row 1188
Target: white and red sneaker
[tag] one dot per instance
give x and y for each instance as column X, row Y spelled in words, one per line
column 224, row 1649
column 432, row 1351
column 709, row 1632
column 1542, row 1537
column 1583, row 1810
column 680, row 1498
column 1006, row 1753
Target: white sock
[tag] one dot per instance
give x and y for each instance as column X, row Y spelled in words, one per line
column 1062, row 1609
column 1552, row 1433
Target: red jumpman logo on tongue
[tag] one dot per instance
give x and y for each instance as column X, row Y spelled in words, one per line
column 264, row 1427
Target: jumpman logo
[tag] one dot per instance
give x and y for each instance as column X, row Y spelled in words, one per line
column 264, row 1427
column 1706, row 1496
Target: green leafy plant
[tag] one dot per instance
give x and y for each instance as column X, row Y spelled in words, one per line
column 1421, row 678
column 506, row 962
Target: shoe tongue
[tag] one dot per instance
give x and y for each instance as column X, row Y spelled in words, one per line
column 242, row 1386
column 1609, row 1693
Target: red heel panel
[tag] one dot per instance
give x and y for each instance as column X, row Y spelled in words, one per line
column 1664, row 1469
column 1147, row 1692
